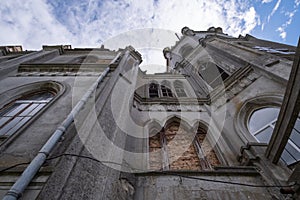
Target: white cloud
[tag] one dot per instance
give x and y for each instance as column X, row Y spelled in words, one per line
column 89, row 23
column 282, row 32
column 274, row 9
column 283, row 35
column 262, row 26
column 266, row 1
column 30, row 23
column 290, row 15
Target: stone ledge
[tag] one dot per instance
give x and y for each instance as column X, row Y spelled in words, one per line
column 238, row 171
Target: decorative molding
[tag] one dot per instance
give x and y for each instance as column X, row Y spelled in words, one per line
column 55, row 67
column 249, row 106
column 58, row 74
column 169, row 107
column 248, row 155
column 237, row 82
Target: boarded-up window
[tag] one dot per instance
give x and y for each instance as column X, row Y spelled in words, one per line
column 155, row 152
column 207, row 149
column 176, row 149
column 181, row 151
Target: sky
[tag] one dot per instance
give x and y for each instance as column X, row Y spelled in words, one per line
column 83, row 23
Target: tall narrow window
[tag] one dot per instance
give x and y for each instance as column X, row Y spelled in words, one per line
column 185, row 50
column 174, row 148
column 212, row 74
column 178, row 85
column 153, row 90
column 261, row 125
column 165, row 89
column 177, row 138
column 20, row 111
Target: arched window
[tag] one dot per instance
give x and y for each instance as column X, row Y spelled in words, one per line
column 174, row 148
column 178, row 85
column 165, row 89
column 186, row 50
column 14, row 115
column 212, row 74
column 153, row 90
column 261, row 125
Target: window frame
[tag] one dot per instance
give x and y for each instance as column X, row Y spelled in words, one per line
column 24, row 90
column 245, row 110
column 166, row 90
column 220, row 74
column 179, row 89
column 271, row 125
column 23, row 112
column 162, row 90
column 156, row 95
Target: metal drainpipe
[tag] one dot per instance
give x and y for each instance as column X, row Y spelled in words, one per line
column 18, row 188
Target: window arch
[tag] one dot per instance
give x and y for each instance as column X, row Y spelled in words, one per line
column 179, row 88
column 185, row 50
column 165, row 89
column 261, row 124
column 176, row 148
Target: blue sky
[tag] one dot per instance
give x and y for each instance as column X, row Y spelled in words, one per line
column 84, row 23
column 279, row 21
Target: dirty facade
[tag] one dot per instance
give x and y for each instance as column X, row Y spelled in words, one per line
column 85, row 123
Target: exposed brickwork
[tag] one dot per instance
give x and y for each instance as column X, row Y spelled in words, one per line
column 155, row 152
column 182, row 150
column 182, row 154
column 209, row 153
